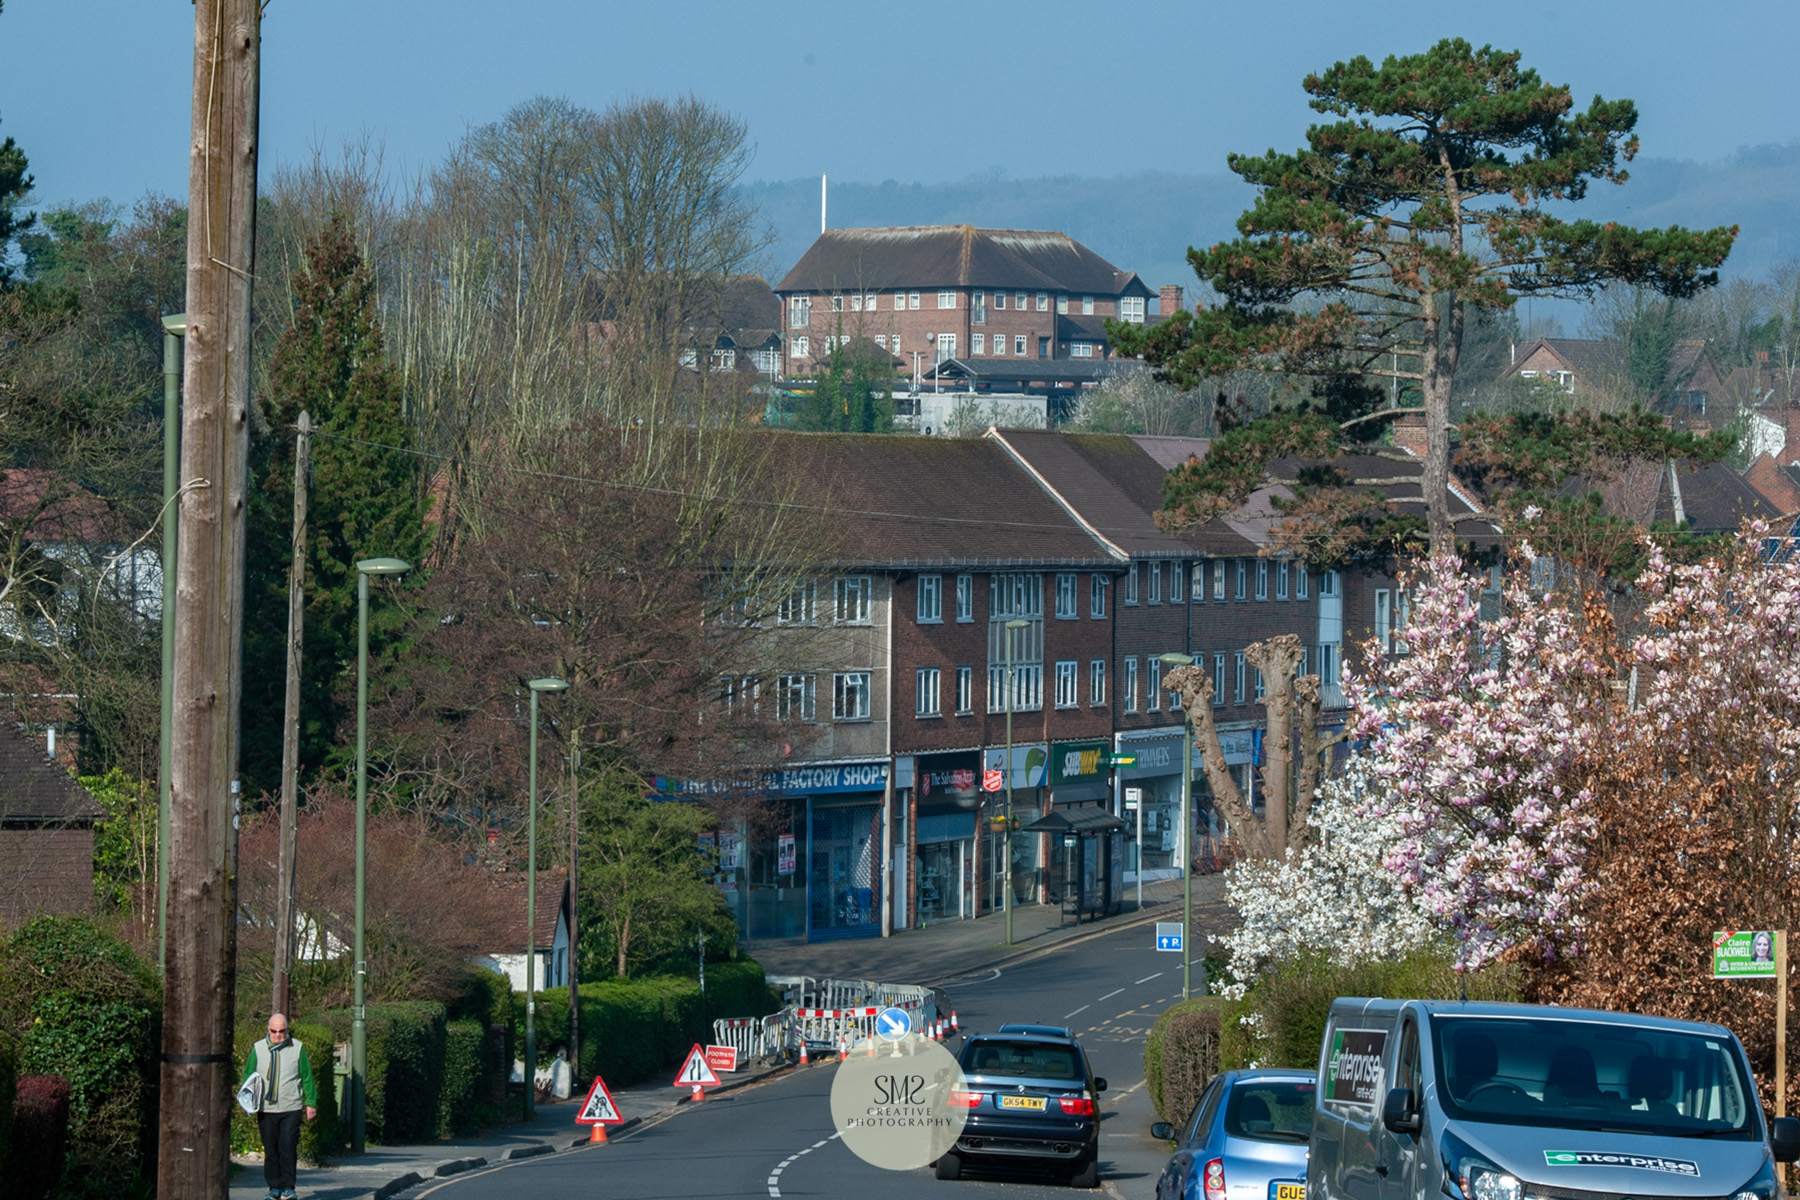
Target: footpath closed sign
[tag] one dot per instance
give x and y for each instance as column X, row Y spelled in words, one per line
column 1744, row 954
column 722, row 1058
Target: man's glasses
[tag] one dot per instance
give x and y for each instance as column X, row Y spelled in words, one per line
column 278, row 1029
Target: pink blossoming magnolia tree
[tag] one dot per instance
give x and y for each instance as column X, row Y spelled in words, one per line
column 1481, row 740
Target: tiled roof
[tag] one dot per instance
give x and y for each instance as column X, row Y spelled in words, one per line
column 1034, row 370
column 551, row 886
column 898, row 501
column 955, row 256
column 1714, row 498
column 1115, row 487
column 33, row 789
column 58, row 510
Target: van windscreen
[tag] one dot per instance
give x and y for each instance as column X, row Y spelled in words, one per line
column 1590, row 1075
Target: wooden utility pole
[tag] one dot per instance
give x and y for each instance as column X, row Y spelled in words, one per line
column 574, row 901
column 290, row 728
column 194, row 1132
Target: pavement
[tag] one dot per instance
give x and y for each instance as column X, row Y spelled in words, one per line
column 935, row 955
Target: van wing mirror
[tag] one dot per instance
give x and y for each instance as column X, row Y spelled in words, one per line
column 1784, row 1139
column 1398, row 1113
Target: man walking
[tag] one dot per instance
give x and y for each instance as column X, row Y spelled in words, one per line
column 288, row 1088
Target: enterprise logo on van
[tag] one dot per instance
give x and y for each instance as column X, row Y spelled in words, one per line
column 1354, row 1067
column 1641, row 1162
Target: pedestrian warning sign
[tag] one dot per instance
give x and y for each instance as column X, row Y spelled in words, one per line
column 696, row 1071
column 599, row 1108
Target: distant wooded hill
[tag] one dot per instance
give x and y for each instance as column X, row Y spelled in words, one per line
column 1146, row 222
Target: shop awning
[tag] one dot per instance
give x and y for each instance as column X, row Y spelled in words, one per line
column 1090, row 819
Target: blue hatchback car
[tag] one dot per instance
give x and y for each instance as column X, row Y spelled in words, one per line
column 1245, row 1139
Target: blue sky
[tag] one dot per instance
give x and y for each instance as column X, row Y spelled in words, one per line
column 96, row 91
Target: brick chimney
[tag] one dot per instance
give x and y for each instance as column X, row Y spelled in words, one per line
column 1409, row 434
column 1170, row 299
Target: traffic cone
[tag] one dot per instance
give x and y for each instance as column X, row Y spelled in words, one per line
column 871, row 1048
column 954, row 1026
column 803, row 1061
column 596, row 1134
column 698, row 1096
column 843, row 1047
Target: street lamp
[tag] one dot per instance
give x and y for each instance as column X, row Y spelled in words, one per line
column 537, row 686
column 1006, row 897
column 1187, row 830
column 174, row 329
column 359, row 1025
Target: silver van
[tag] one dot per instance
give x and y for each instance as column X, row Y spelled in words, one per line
column 1435, row 1099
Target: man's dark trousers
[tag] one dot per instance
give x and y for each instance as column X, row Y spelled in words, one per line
column 281, row 1145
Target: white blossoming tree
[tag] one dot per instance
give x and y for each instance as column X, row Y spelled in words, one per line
column 1334, row 896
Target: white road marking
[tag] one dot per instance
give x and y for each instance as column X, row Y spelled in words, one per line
column 790, row 1160
column 1148, row 978
column 1110, row 995
column 1082, row 1009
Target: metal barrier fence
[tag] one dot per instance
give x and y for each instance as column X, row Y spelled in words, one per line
column 821, row 1014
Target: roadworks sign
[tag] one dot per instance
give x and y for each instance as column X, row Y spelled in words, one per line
column 599, row 1108
column 696, row 1071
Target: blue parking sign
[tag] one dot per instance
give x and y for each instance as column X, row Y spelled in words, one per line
column 1168, row 935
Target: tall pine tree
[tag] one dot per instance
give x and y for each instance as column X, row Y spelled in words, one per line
column 365, row 501
column 1421, row 198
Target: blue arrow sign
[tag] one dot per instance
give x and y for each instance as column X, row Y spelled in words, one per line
column 1168, row 935
column 893, row 1023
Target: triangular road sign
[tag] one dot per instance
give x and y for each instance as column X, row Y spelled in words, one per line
column 696, row 1071
column 599, row 1108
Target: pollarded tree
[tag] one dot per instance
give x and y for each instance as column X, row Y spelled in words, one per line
column 1293, row 749
column 1423, row 198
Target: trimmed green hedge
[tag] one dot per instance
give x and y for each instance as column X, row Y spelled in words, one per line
column 471, row 1065
column 324, row 1134
column 1181, row 1055
column 631, row 1028
column 1293, row 999
column 80, row 1003
column 406, row 1068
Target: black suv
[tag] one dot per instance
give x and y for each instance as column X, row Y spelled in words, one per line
column 1031, row 1099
